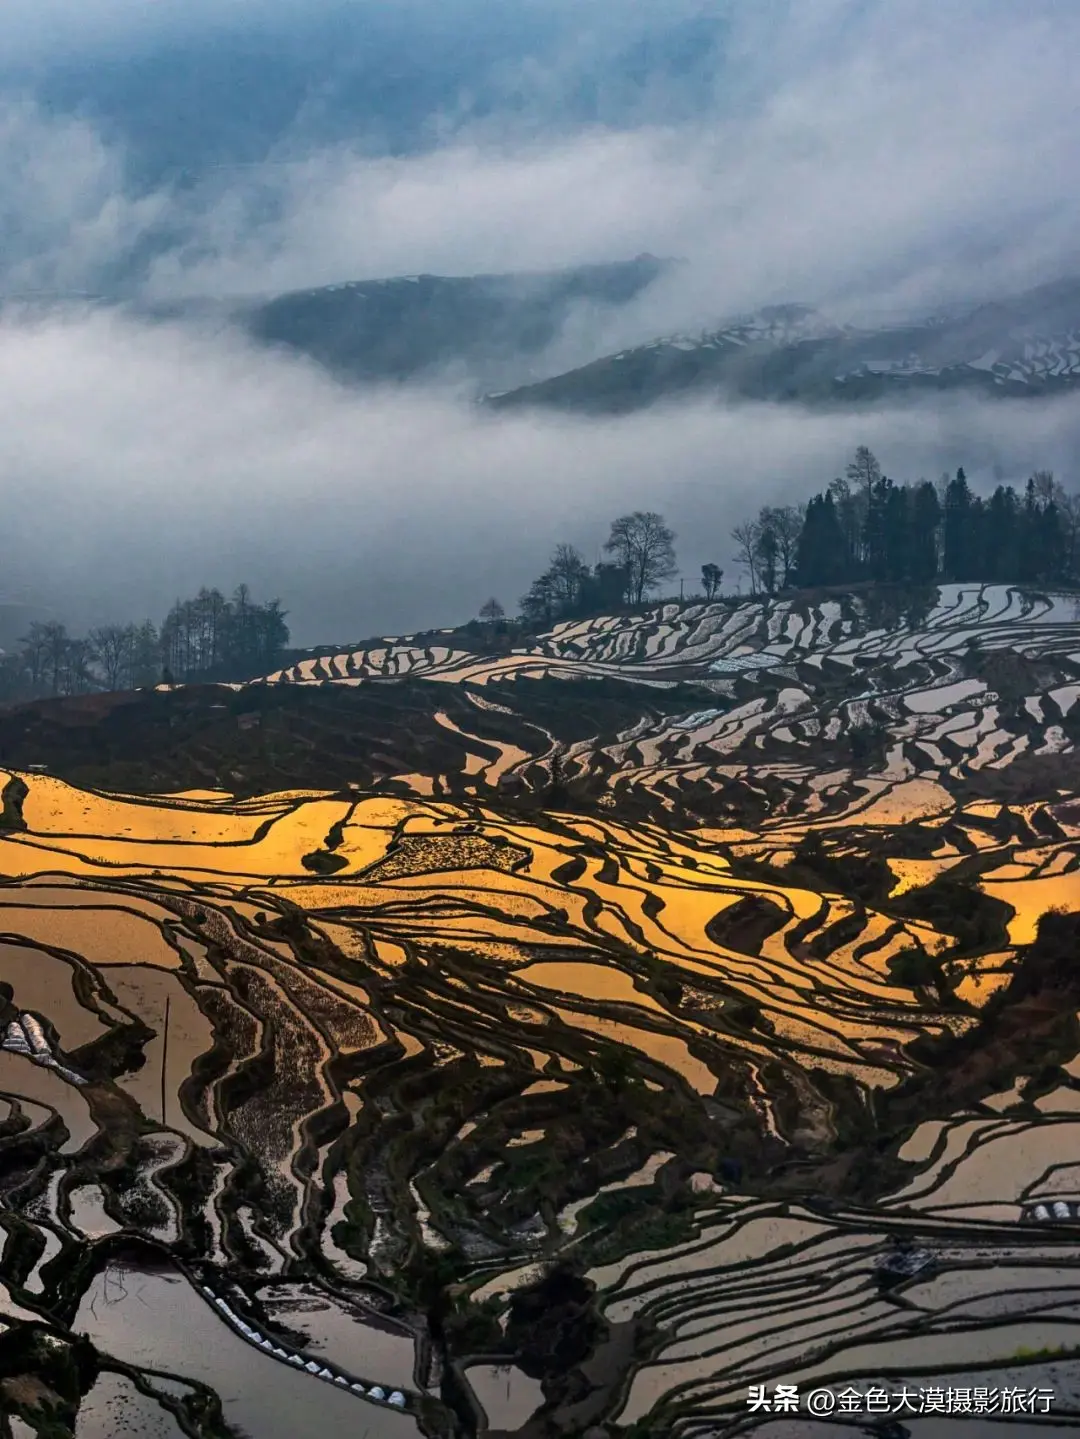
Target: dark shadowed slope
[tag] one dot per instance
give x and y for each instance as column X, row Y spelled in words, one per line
column 489, row 327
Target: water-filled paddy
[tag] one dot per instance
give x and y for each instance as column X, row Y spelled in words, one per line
column 20, row 1077
column 155, row 1319
column 115, row 1409
column 45, row 983
column 154, row 996
column 507, row 1396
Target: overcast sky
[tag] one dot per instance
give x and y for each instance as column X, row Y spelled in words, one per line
column 867, row 156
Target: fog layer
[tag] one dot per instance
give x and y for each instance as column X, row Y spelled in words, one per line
column 150, row 461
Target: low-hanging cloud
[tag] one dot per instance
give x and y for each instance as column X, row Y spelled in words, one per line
column 153, row 459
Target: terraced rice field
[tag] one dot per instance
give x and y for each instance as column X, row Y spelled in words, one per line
column 741, row 1053
column 969, row 680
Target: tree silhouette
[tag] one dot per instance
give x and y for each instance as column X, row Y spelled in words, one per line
column 491, row 612
column 768, row 550
column 746, row 535
column 567, row 574
column 711, row 579
column 645, row 549
column 864, row 471
column 112, row 646
column 959, row 558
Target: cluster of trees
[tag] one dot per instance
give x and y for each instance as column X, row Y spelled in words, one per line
column 865, row 526
column 208, row 637
column 214, row 636
column 642, row 550
column 50, row 661
column 767, row 547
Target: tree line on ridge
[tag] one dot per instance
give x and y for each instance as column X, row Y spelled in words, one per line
column 862, row 528
column 208, row 637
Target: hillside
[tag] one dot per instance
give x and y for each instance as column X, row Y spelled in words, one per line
column 947, row 683
column 1025, row 345
column 962, row 684
column 493, row 331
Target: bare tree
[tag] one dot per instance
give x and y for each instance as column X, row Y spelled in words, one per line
column 567, row 574
column 645, row 548
column 1047, row 488
column 271, row 631
column 864, row 471
column 215, row 613
column 76, row 678
column 56, row 640
column 145, row 667
column 111, row 648
column 538, row 606
column 35, row 648
column 746, row 536
column 851, row 510
column 785, row 522
column 244, row 625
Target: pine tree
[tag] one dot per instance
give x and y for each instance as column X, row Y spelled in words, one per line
column 1002, row 535
column 1029, row 537
column 1052, row 545
column 823, row 556
column 925, row 513
column 957, row 528
column 896, row 522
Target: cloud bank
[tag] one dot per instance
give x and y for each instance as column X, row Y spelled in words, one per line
column 150, row 461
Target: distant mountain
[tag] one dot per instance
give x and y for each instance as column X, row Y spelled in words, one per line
column 1025, row 345
column 487, row 329
column 485, row 326
column 494, row 331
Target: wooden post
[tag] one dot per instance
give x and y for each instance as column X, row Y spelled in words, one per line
column 164, row 1056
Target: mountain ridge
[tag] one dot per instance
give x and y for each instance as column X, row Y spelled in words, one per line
column 489, row 327
column 1023, row 345
column 494, row 330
